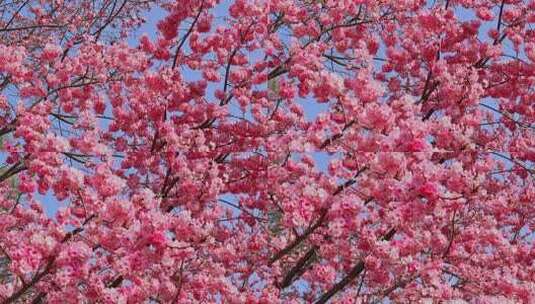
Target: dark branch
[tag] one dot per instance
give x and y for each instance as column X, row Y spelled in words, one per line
column 350, row 276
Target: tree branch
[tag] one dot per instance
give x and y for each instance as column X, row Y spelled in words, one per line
column 13, row 170
column 353, row 273
column 298, row 269
column 183, row 40
column 15, row 296
column 316, row 225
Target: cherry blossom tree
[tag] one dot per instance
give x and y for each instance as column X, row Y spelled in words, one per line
column 267, row 151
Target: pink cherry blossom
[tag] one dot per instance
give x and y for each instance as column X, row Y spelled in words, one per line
column 277, row 151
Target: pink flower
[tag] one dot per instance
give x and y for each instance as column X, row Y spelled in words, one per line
column 169, row 27
column 485, row 14
column 428, row 190
column 416, row 145
column 51, row 52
